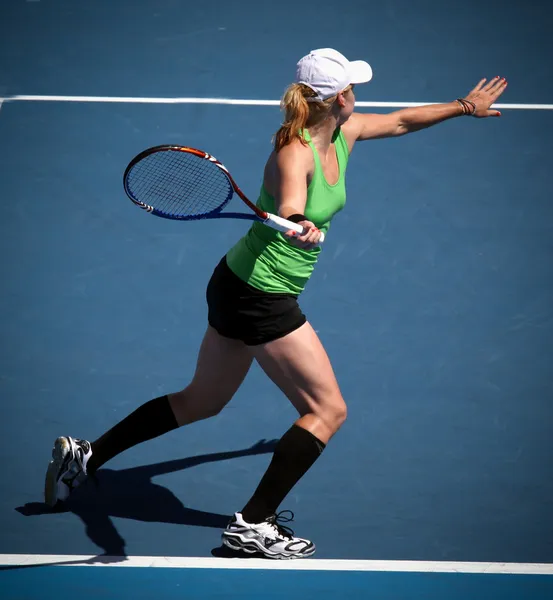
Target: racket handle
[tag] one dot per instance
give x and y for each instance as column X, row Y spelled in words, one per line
column 283, row 225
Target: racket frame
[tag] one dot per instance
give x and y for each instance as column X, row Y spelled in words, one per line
column 271, row 220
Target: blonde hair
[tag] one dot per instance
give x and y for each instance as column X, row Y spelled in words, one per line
column 301, row 110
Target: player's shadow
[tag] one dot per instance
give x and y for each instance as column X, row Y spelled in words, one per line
column 131, row 494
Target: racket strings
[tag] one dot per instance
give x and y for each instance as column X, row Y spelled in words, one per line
column 179, row 183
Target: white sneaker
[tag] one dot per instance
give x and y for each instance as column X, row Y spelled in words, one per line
column 67, row 469
column 269, row 537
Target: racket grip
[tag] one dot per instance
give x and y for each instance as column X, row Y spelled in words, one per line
column 283, row 225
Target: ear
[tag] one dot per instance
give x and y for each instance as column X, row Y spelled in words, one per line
column 341, row 99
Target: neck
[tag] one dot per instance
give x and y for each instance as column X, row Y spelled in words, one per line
column 322, row 133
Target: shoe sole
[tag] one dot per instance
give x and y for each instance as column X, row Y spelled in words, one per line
column 235, row 543
column 59, row 453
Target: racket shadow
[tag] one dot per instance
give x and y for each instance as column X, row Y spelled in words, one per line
column 131, row 494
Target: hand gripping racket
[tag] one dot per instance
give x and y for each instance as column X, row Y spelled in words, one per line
column 176, row 182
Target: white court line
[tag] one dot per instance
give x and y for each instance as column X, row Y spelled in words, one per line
column 233, row 101
column 257, row 563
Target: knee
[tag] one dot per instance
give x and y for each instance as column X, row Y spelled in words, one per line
column 213, row 410
column 340, row 415
column 190, row 406
column 336, row 415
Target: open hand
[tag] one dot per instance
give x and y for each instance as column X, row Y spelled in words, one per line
column 485, row 94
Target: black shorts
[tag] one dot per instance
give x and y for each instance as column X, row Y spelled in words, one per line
column 239, row 311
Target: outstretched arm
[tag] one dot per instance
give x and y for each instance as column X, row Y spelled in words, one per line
column 407, row 120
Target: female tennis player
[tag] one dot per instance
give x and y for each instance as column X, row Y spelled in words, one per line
column 252, row 297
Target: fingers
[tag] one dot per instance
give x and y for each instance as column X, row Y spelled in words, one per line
column 491, row 84
column 499, row 88
column 312, row 238
column 308, row 239
column 478, row 86
column 495, row 86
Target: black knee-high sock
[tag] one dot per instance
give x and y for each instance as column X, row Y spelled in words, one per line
column 152, row 419
column 294, row 454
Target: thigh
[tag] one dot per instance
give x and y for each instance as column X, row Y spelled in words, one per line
column 222, row 364
column 299, row 365
column 221, row 367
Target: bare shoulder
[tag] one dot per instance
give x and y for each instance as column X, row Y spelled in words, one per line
column 294, row 155
column 295, row 159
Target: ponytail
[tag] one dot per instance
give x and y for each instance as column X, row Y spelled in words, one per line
column 301, row 109
column 296, row 114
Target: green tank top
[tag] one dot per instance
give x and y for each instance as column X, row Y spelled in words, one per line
column 264, row 258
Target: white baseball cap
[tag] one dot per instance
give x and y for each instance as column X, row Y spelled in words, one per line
column 327, row 72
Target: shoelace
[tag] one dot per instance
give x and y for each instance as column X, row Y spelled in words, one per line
column 277, row 520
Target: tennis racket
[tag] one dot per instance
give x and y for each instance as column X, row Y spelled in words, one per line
column 177, row 182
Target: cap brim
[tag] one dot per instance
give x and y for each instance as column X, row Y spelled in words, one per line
column 360, row 71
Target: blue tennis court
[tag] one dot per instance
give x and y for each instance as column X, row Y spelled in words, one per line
column 433, row 297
